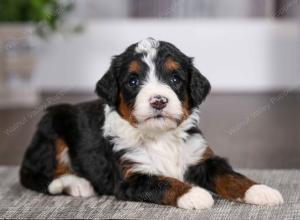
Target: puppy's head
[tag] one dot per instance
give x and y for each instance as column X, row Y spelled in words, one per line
column 153, row 85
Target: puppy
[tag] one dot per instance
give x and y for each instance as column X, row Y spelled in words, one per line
column 140, row 141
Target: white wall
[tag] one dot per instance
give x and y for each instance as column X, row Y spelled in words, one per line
column 235, row 55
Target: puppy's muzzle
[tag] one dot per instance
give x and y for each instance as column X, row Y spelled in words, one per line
column 158, row 102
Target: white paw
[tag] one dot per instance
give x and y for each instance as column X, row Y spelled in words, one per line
column 263, row 195
column 72, row 185
column 196, row 198
column 56, row 187
column 80, row 188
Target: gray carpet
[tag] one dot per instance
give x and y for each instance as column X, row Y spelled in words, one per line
column 17, row 202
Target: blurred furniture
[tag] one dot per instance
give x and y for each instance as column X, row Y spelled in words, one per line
column 17, row 202
column 20, row 23
column 17, row 61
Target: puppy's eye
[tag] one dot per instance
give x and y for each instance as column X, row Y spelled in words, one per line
column 175, row 79
column 133, row 81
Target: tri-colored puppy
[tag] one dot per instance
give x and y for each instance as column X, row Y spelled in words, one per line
column 141, row 141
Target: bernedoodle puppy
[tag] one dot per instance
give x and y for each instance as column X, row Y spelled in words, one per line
column 140, row 141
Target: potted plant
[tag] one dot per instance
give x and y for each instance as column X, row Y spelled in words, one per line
column 20, row 22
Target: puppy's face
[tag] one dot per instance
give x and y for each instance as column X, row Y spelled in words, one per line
column 153, row 85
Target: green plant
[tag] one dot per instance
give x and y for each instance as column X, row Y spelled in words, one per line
column 46, row 14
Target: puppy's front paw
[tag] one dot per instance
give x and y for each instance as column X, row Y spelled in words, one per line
column 263, row 195
column 195, row 198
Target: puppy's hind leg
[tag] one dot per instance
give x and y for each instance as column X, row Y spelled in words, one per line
column 65, row 181
column 71, row 185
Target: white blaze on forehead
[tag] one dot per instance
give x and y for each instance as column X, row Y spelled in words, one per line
column 151, row 87
column 148, row 47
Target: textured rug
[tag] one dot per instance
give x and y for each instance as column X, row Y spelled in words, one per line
column 19, row 203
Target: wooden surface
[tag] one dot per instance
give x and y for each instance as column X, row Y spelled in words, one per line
column 252, row 130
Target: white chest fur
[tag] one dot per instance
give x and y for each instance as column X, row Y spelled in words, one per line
column 167, row 156
column 167, row 153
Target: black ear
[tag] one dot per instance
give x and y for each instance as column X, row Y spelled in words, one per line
column 107, row 88
column 199, row 87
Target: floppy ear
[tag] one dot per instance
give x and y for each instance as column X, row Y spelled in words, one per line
column 199, row 87
column 107, row 88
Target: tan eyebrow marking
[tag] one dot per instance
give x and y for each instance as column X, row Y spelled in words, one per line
column 134, row 66
column 171, row 64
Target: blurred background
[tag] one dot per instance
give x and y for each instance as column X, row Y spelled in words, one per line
column 54, row 51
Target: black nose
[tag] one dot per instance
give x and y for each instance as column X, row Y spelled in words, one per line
column 158, row 102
